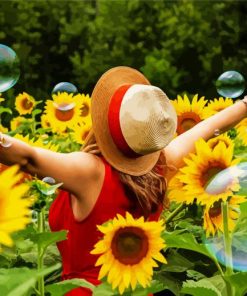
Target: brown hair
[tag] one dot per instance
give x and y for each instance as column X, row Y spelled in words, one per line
column 149, row 189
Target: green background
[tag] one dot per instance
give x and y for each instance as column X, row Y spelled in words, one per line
column 181, row 46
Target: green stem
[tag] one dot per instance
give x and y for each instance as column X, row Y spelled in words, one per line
column 175, row 212
column 41, row 283
column 227, row 239
column 33, row 125
column 218, row 265
column 227, row 247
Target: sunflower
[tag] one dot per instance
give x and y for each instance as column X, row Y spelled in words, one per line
column 200, row 169
column 64, row 111
column 1, row 98
column 3, row 129
column 85, row 102
column 14, row 209
column 45, row 123
column 128, row 250
column 37, row 142
column 188, row 114
column 81, row 130
column 212, row 143
column 24, row 103
column 18, row 121
column 215, row 106
column 213, row 218
column 241, row 129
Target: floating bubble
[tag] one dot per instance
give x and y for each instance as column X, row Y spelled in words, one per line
column 217, row 132
column 215, row 246
column 230, row 84
column 5, row 143
column 227, row 177
column 64, row 87
column 49, row 180
column 9, row 68
column 64, row 107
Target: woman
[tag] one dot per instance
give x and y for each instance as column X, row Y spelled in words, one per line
column 123, row 166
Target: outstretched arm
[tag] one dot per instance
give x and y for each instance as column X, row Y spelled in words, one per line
column 75, row 170
column 184, row 144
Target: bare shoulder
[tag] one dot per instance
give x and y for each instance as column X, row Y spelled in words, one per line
column 76, row 170
column 86, row 164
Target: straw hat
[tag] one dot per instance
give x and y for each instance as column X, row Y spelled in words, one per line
column 131, row 119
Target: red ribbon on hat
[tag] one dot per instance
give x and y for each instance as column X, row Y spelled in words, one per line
column 114, row 122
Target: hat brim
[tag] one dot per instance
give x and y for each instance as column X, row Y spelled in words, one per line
column 106, row 86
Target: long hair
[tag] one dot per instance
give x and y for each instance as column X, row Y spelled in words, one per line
column 148, row 190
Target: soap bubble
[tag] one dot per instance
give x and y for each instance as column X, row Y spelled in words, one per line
column 230, row 84
column 220, row 182
column 215, row 245
column 9, row 68
column 49, row 180
column 64, row 107
column 65, row 87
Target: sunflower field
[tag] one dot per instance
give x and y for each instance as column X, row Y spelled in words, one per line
column 199, row 245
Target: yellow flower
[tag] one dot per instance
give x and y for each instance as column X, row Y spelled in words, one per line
column 63, row 112
column 228, row 142
column 3, row 129
column 215, row 106
column 188, row 113
column 81, row 130
column 213, row 218
column 45, row 123
column 128, row 251
column 24, row 103
column 14, row 209
column 17, row 121
column 199, row 170
column 85, row 102
column 1, row 98
column 241, row 129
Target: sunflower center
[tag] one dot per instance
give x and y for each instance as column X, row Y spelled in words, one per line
column 26, row 104
column 186, row 121
column 84, row 110
column 214, row 144
column 84, row 135
column 215, row 210
column 129, row 245
column 64, row 112
column 209, row 174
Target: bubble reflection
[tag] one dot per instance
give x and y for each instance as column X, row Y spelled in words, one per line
column 215, row 246
column 65, row 87
column 230, row 84
column 225, row 178
column 9, row 68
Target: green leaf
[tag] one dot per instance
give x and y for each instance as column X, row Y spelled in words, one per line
column 47, row 189
column 176, row 262
column 104, row 289
column 200, row 288
column 238, row 282
column 47, row 238
column 5, row 110
column 36, row 112
column 17, row 281
column 61, row 288
column 195, row 275
column 187, row 241
column 167, row 282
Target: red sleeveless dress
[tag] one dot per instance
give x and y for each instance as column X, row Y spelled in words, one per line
column 77, row 261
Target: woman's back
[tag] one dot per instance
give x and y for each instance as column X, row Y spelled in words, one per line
column 83, row 235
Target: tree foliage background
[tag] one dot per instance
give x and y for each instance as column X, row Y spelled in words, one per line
column 181, row 46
